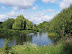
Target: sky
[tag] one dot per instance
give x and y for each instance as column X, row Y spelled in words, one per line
column 36, row 11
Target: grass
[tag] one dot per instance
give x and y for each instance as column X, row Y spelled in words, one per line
column 29, row 48
column 33, row 49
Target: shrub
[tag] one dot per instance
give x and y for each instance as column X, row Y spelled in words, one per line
column 54, row 36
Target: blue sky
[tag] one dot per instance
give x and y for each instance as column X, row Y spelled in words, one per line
column 36, row 11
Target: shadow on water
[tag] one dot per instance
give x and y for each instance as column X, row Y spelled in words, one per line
column 39, row 38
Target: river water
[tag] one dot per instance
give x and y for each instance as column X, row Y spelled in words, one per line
column 39, row 38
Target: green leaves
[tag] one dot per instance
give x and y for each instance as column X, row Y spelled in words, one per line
column 8, row 23
column 43, row 25
column 19, row 22
column 22, row 23
column 62, row 22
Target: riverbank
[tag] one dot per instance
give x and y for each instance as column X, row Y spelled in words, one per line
column 28, row 48
column 6, row 32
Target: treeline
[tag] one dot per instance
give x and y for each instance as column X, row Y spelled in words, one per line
column 61, row 25
column 19, row 23
column 43, row 26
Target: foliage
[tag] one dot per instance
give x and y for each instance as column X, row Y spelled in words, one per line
column 29, row 25
column 7, row 24
column 29, row 48
column 1, row 26
column 54, row 36
column 22, row 23
column 35, row 27
column 19, row 22
column 43, row 26
column 61, row 23
column 10, row 32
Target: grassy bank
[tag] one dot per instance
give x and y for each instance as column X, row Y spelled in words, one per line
column 64, row 47
column 54, row 36
column 11, row 32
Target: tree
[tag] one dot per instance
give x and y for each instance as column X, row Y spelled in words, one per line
column 35, row 27
column 18, row 24
column 43, row 25
column 61, row 24
column 1, row 24
column 29, row 25
column 7, row 24
column 24, row 24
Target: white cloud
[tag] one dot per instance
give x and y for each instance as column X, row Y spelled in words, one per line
column 47, row 18
column 8, row 15
column 47, row 1
column 12, row 14
column 41, row 17
column 49, row 10
column 15, row 8
column 65, row 3
column 35, row 17
column 34, row 8
column 20, row 4
column 3, row 7
column 2, row 17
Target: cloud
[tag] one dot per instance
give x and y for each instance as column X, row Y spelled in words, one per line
column 49, row 10
column 15, row 8
column 2, row 17
column 65, row 4
column 40, row 17
column 20, row 4
column 35, row 17
column 12, row 14
column 34, row 8
column 7, row 15
column 47, row 1
column 47, row 17
column 3, row 7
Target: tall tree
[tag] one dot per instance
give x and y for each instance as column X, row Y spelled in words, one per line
column 1, row 24
column 18, row 24
column 7, row 24
column 24, row 24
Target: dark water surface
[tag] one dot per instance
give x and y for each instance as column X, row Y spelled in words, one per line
column 39, row 38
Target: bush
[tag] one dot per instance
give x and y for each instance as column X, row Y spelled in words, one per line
column 29, row 48
column 54, row 36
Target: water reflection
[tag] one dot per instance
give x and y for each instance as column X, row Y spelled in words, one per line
column 39, row 38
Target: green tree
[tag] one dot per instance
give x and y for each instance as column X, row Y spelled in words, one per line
column 43, row 25
column 1, row 24
column 61, row 24
column 7, row 24
column 22, row 23
column 29, row 25
column 35, row 27
column 19, row 22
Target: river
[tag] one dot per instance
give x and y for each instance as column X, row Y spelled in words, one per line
column 39, row 38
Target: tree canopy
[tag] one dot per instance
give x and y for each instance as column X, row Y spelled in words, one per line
column 7, row 24
column 18, row 23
